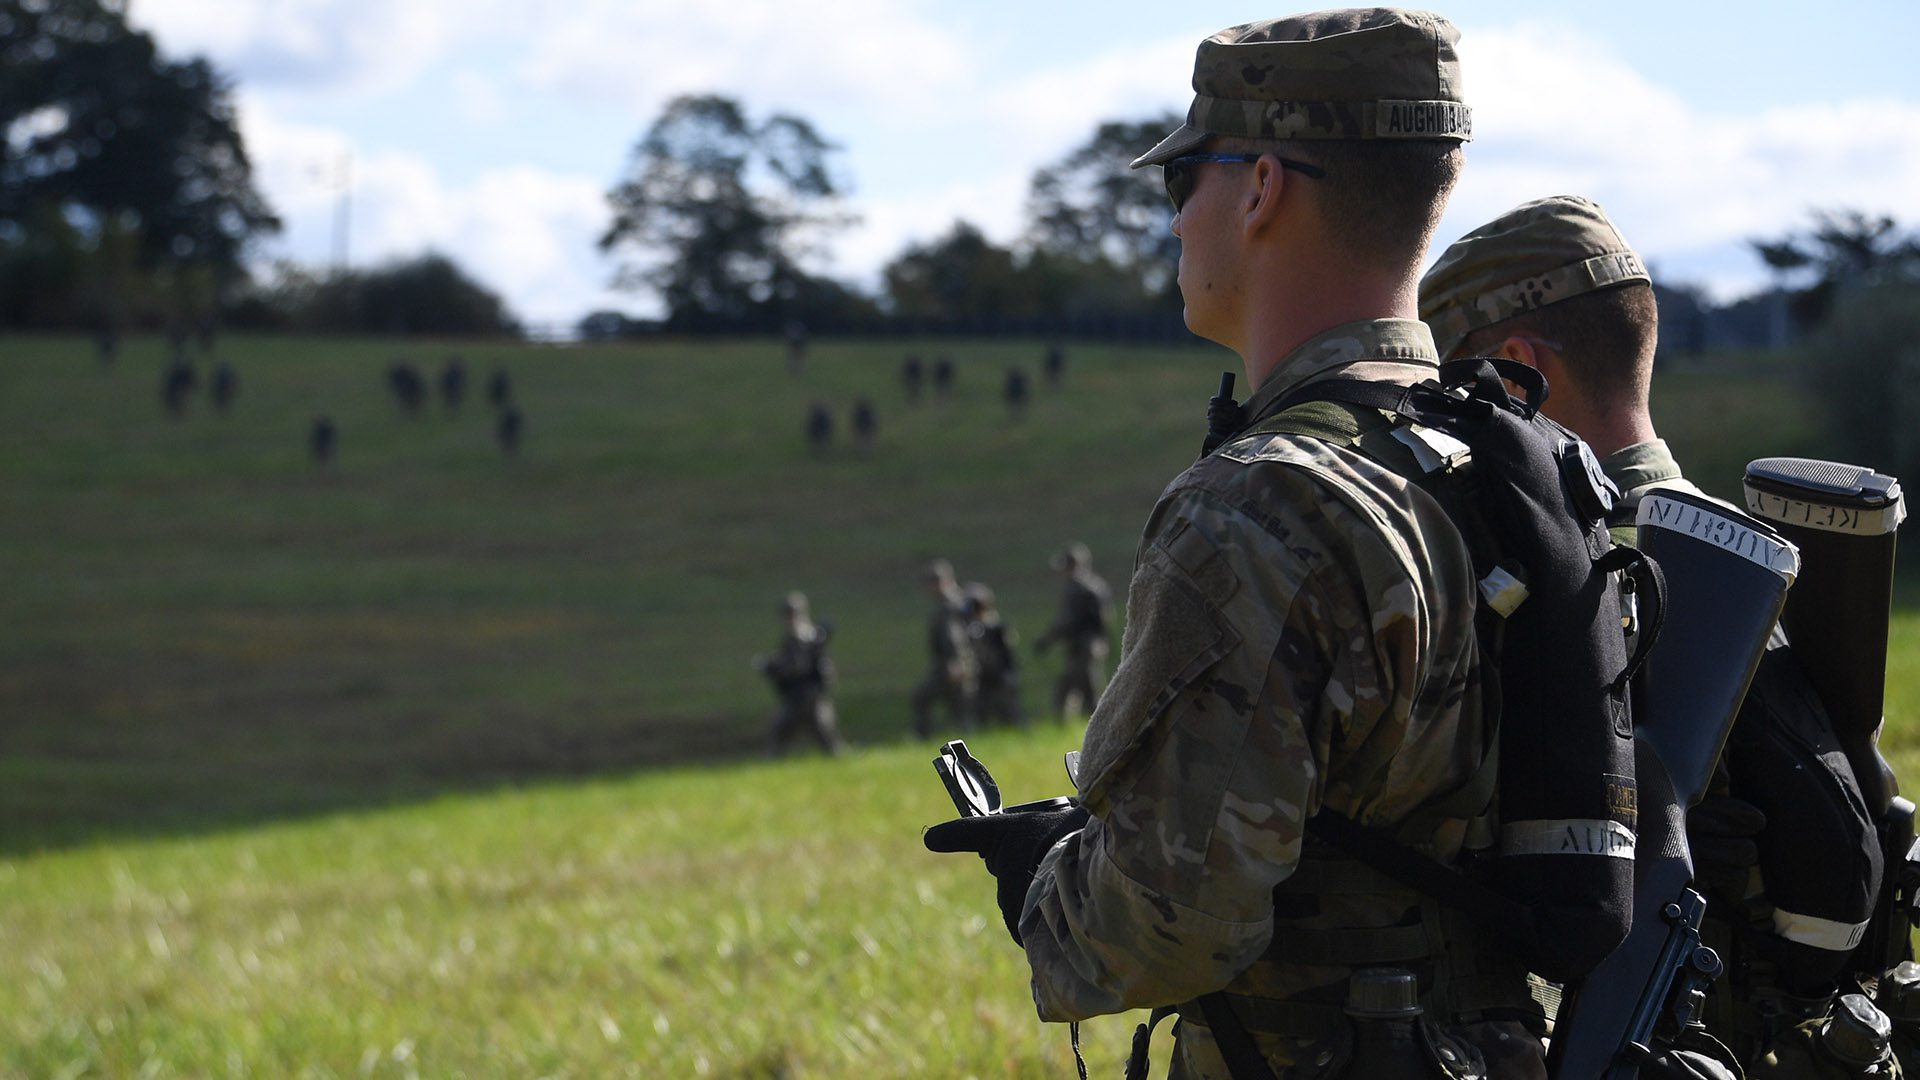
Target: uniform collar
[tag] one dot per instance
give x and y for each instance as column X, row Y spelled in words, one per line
column 1641, row 465
column 1402, row 341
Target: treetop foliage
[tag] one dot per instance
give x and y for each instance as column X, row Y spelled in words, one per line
column 114, row 136
column 725, row 209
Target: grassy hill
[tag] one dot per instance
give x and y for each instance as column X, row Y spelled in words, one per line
column 383, row 769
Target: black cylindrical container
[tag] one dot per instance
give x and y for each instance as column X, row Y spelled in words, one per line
column 1727, row 575
column 1843, row 519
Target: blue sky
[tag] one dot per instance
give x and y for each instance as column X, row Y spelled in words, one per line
column 489, row 130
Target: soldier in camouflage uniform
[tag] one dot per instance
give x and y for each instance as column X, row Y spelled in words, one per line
column 1300, row 620
column 802, row 677
column 1085, row 611
column 1553, row 284
column 953, row 679
column 992, row 640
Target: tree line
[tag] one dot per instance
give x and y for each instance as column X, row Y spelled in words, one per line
column 127, row 200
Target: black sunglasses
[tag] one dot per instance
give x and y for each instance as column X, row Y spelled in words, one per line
column 1178, row 173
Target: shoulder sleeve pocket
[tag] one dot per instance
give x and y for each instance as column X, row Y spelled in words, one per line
column 1175, row 632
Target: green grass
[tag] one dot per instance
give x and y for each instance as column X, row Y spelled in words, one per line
column 192, row 601
column 754, row 921
column 410, row 768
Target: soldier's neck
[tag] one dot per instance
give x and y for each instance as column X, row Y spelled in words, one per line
column 1301, row 305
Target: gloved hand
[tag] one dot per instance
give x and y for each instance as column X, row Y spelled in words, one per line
column 1720, row 833
column 1012, row 846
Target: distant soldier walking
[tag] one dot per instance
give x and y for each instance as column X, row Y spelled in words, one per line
column 507, row 428
column 998, row 698
column 953, row 678
column 802, row 676
column 911, row 376
column 1086, row 612
column 226, row 383
column 321, row 439
column 1014, row 393
column 866, row 424
column 796, row 348
column 453, row 383
column 819, row 428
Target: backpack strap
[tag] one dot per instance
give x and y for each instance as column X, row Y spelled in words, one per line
column 1365, row 416
column 1353, row 413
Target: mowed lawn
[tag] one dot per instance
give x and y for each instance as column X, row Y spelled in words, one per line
column 383, row 770
column 203, row 627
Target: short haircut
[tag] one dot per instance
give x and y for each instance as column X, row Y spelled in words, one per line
column 1606, row 337
column 1381, row 198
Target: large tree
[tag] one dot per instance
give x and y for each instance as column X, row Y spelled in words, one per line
column 1842, row 249
column 960, row 275
column 722, row 210
column 1091, row 208
column 119, row 142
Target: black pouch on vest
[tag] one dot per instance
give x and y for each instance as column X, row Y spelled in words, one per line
column 1820, row 858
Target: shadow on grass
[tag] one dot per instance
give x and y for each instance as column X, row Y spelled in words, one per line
column 62, row 794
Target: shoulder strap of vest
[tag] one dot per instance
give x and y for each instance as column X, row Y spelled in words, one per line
column 1350, row 412
column 1342, row 422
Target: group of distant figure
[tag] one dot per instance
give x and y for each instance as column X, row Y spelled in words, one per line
column 408, row 387
column 410, row 392
column 915, row 374
column 974, row 671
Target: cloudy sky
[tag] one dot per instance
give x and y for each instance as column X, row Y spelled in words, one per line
column 491, row 129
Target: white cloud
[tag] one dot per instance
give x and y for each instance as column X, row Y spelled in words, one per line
column 850, row 54
column 990, row 145
column 1556, row 113
column 362, row 46
column 524, row 232
column 938, row 125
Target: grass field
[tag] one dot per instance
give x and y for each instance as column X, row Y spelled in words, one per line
column 412, row 767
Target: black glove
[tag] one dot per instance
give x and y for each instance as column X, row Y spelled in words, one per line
column 1012, row 846
column 1720, row 833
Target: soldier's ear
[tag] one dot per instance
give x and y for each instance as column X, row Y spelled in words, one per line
column 1518, row 348
column 1264, row 195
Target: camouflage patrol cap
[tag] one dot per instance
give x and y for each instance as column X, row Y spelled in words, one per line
column 1358, row 73
column 1536, row 254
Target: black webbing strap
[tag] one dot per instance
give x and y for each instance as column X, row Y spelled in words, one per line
column 1142, row 1035
column 1237, row 1048
column 1650, row 595
column 1414, row 870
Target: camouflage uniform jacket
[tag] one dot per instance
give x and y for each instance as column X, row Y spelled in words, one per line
column 800, row 668
column 1083, row 618
column 1299, row 633
column 947, row 640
